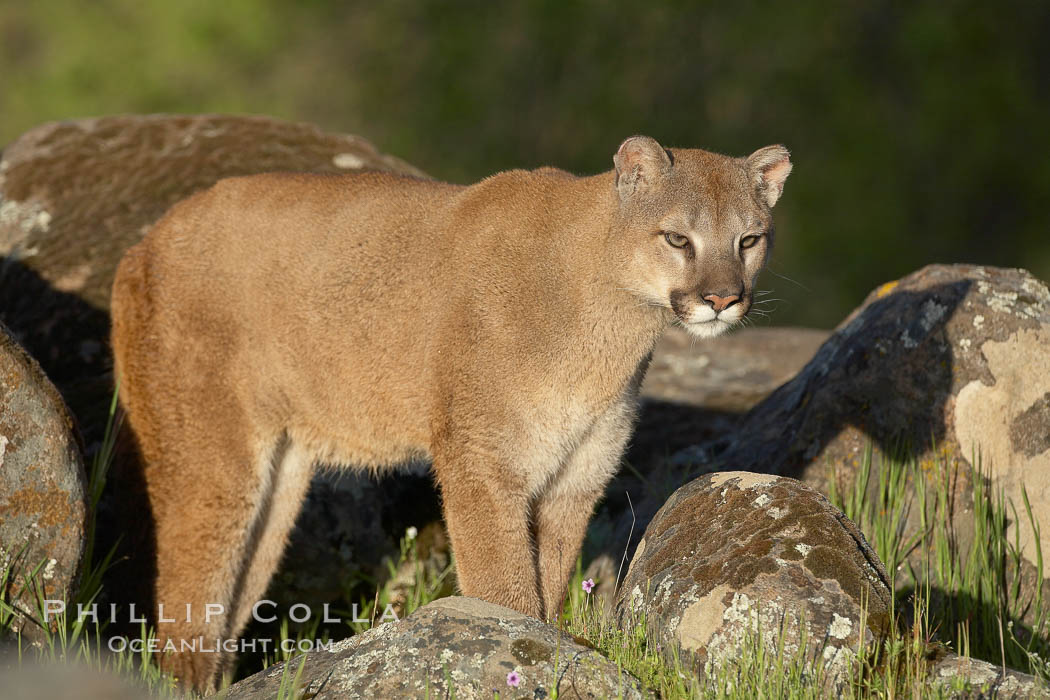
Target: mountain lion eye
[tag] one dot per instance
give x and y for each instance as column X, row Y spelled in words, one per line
column 748, row 242
column 676, row 239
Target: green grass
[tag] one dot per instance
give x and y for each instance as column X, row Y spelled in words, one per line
column 973, row 593
column 949, row 597
column 761, row 669
column 967, row 599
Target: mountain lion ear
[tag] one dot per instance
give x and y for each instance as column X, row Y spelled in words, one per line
column 769, row 168
column 640, row 163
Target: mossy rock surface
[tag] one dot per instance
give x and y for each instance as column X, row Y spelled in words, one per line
column 454, row 647
column 43, row 502
column 736, row 553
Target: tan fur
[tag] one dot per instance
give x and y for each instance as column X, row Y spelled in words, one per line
column 276, row 322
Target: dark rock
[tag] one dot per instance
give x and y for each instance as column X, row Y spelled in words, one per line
column 453, row 647
column 734, row 551
column 946, row 363
column 42, row 485
column 350, row 527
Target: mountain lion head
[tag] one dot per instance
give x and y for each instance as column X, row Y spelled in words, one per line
column 698, row 228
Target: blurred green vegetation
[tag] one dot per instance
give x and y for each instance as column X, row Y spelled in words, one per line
column 918, row 129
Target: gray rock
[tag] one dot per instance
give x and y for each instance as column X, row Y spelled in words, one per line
column 63, row 681
column 454, row 645
column 696, row 390
column 733, row 552
column 42, row 484
column 945, row 363
column 729, row 373
column 984, row 680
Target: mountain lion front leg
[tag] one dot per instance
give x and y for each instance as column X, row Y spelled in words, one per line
column 486, row 513
column 564, row 509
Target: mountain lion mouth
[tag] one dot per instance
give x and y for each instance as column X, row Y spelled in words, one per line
column 707, row 329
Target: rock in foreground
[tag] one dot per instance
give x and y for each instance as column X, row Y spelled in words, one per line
column 453, row 647
column 42, row 483
column 733, row 552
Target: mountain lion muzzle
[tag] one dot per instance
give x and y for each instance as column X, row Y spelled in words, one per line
column 500, row 330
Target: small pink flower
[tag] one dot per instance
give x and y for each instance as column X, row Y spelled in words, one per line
column 588, row 585
column 513, row 679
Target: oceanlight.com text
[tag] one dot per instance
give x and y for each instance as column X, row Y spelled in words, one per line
column 217, row 645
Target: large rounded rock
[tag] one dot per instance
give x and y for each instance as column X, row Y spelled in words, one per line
column 947, row 363
column 734, row 552
column 453, row 647
column 75, row 195
column 42, row 483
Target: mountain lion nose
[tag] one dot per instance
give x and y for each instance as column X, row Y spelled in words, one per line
column 721, row 303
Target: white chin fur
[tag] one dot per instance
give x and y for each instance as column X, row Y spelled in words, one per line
column 708, row 329
column 701, row 313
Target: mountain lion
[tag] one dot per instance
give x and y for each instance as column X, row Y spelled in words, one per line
column 500, row 330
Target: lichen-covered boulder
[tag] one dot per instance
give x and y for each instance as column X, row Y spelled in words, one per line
column 454, row 647
column 42, row 484
column 75, row 195
column 980, row 679
column 734, row 554
column 949, row 362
